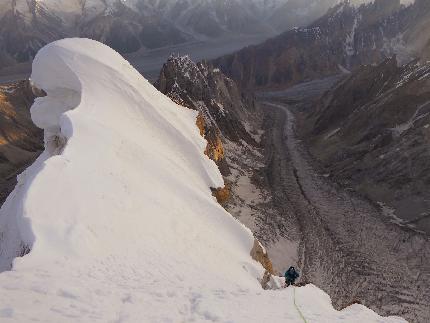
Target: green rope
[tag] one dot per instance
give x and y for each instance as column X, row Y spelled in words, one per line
column 297, row 308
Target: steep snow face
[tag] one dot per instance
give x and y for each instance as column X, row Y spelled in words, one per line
column 118, row 212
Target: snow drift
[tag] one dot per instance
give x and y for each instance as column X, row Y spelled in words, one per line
column 119, row 215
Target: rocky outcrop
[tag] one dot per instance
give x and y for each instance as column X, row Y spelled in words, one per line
column 228, row 120
column 371, row 134
column 258, row 253
column 346, row 37
column 223, row 111
column 220, row 104
column 222, row 195
column 21, row 141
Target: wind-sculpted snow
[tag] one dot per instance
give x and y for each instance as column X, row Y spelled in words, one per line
column 119, row 216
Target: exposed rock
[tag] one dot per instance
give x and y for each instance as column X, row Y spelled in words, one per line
column 214, row 149
column 220, row 104
column 198, row 87
column 222, row 195
column 258, row 253
column 200, row 121
column 21, row 141
column 229, row 120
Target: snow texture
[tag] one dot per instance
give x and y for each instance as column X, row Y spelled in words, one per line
column 119, row 216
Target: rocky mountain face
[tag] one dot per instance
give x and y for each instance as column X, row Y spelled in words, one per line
column 346, row 37
column 24, row 28
column 232, row 123
column 371, row 134
column 225, row 117
column 21, row 141
column 221, row 105
column 128, row 26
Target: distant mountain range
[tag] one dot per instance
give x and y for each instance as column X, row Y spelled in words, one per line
column 128, row 26
column 344, row 38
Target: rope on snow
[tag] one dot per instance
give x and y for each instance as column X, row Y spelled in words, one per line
column 297, row 308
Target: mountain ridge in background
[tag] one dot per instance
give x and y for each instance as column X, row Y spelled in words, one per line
column 346, row 37
column 129, row 26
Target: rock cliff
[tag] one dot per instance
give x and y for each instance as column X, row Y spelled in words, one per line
column 20, row 140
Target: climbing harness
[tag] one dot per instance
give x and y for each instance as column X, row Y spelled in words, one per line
column 297, row 308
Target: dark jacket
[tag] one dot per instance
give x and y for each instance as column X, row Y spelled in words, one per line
column 291, row 274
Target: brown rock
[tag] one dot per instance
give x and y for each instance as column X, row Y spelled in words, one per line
column 222, row 195
column 21, row 141
column 259, row 254
column 220, row 104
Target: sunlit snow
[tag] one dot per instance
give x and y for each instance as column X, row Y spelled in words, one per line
column 119, row 214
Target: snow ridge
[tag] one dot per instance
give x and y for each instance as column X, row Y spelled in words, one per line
column 118, row 211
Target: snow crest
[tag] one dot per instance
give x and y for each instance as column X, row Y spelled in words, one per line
column 119, row 215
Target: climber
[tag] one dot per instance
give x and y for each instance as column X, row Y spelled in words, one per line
column 290, row 276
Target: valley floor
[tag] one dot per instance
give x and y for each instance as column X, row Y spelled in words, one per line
column 345, row 245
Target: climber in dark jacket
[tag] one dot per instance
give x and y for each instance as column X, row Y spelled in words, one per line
column 290, row 276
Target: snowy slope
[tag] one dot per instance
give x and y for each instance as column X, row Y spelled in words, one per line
column 119, row 214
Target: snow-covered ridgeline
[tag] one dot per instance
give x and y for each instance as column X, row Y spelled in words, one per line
column 119, row 213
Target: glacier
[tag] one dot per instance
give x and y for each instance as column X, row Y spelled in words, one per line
column 119, row 216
